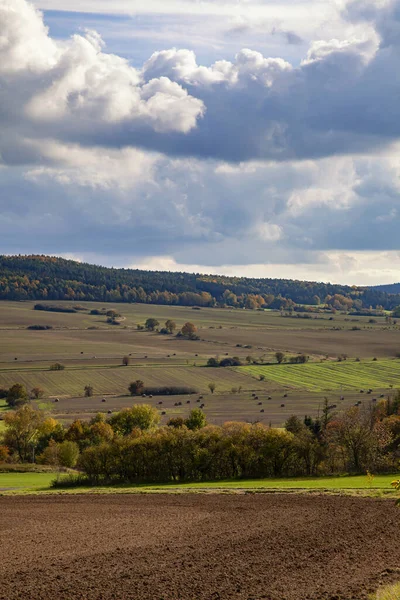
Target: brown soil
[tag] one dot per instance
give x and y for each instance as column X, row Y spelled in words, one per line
column 196, row 547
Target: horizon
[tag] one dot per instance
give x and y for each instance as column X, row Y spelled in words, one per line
column 188, row 272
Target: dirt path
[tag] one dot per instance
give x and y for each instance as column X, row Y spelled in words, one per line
column 196, row 547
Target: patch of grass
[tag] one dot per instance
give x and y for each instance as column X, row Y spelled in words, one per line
column 390, row 592
column 330, row 375
column 25, row 481
column 40, row 482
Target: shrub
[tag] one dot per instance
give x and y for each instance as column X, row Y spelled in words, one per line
column 3, row 392
column 151, row 324
column 298, row 360
column 189, row 330
column 57, row 367
column 88, row 390
column 176, row 422
column 126, row 361
column 37, row 393
column 60, row 309
column 170, row 326
column 196, row 419
column 213, row 362
column 136, row 388
column 280, row 357
column 39, row 327
column 230, row 362
column 17, row 395
column 171, row 390
column 70, row 481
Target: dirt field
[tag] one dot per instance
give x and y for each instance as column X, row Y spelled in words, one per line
column 276, row 547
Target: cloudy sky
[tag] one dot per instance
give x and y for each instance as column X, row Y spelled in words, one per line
column 227, row 136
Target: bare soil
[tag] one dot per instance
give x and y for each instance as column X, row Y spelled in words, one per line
column 196, row 547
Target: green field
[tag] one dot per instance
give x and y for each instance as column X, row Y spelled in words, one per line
column 116, row 379
column 25, row 481
column 36, row 482
column 329, row 375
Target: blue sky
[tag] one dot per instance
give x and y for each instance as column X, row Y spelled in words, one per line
column 238, row 137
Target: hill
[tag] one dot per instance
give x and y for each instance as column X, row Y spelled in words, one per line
column 390, row 288
column 52, row 278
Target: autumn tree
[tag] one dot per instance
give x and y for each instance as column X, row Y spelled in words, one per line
column 212, row 387
column 280, row 357
column 17, row 395
column 189, row 330
column 37, row 393
column 196, row 420
column 88, row 390
column 151, row 324
column 140, row 416
column 136, row 387
column 126, row 361
column 170, row 326
column 23, row 429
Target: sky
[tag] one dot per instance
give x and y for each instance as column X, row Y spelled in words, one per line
column 240, row 137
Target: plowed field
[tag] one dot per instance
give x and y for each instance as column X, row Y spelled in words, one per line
column 154, row 547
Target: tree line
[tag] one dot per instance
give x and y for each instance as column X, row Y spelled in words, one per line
column 130, row 446
column 50, row 278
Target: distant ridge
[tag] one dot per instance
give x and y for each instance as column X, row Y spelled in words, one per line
column 390, row 288
column 40, row 277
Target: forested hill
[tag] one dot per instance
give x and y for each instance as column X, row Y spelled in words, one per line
column 51, row 278
column 390, row 288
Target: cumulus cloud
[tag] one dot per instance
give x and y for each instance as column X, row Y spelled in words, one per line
column 71, row 88
column 340, row 99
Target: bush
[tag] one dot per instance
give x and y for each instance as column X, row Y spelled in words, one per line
column 230, row 362
column 17, row 395
column 3, row 392
column 60, row 309
column 70, row 481
column 213, row 362
column 57, row 367
column 151, row 324
column 88, row 390
column 39, row 327
column 37, row 393
column 169, row 391
column 196, row 419
column 136, row 388
column 298, row 360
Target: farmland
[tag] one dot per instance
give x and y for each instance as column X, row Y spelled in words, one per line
column 92, row 349
column 138, row 546
column 328, row 376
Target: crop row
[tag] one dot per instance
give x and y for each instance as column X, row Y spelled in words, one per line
column 330, row 375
